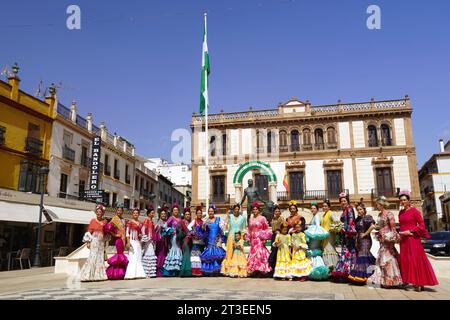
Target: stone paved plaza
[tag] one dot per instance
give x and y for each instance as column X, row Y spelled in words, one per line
column 43, row 284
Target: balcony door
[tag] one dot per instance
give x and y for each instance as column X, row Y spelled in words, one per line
column 334, row 183
column 262, row 184
column 218, row 188
column 296, row 185
column 384, row 182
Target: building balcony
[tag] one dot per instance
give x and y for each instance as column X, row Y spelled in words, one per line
column 386, row 142
column 388, row 193
column 319, row 146
column 68, row 154
column 117, row 174
column 2, row 135
column 294, row 147
column 308, row 195
column 284, row 148
column 332, row 145
column 128, row 179
column 307, row 147
column 219, row 199
column 85, row 162
column 33, row 146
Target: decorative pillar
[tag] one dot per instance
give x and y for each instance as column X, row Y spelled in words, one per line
column 238, row 192
column 273, row 192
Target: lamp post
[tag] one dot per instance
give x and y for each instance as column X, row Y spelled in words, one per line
column 43, row 171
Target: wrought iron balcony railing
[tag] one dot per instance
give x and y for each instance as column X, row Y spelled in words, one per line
column 68, row 154
column 388, row 192
column 33, row 145
column 219, row 198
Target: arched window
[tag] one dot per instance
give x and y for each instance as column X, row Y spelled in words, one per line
column 269, row 141
column 295, row 141
column 372, row 135
column 224, row 144
column 307, row 145
column 386, row 135
column 212, row 146
column 331, row 137
column 318, row 138
column 283, row 141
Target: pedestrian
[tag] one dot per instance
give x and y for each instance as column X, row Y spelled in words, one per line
column 94, row 267
column 118, row 262
column 149, row 259
column 295, row 217
column 212, row 256
column 314, row 235
column 283, row 265
column 387, row 271
column 365, row 261
column 258, row 233
column 172, row 264
column 235, row 223
column 198, row 244
column 238, row 263
column 276, row 223
column 301, row 264
column 330, row 255
column 161, row 241
column 186, row 244
column 415, row 267
column 135, row 269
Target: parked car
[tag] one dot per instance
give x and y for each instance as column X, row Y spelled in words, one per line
column 438, row 243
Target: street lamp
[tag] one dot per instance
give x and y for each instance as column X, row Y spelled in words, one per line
column 43, row 171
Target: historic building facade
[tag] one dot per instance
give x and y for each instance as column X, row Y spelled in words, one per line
column 307, row 153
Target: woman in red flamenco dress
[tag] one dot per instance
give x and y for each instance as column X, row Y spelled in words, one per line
column 414, row 265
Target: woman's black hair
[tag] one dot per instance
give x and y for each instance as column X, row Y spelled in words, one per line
column 360, row 204
column 236, row 206
column 405, row 195
column 238, row 232
column 275, row 208
column 328, row 202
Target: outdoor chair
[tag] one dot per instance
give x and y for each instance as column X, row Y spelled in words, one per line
column 23, row 254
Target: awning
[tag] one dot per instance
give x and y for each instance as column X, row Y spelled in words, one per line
column 66, row 215
column 19, row 212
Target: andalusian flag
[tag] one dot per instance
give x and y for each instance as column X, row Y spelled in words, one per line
column 204, row 101
column 286, row 181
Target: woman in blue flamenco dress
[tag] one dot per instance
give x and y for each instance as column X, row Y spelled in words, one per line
column 212, row 232
column 172, row 264
column 314, row 235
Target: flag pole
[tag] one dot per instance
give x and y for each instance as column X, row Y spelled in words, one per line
column 206, row 129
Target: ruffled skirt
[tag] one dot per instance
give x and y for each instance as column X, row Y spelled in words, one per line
column 301, row 265
column 117, row 263
column 149, row 260
column 211, row 259
column 196, row 262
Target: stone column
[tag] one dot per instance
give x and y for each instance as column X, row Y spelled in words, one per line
column 238, row 192
column 273, row 192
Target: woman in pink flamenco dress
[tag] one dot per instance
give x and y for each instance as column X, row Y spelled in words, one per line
column 258, row 233
column 414, row 265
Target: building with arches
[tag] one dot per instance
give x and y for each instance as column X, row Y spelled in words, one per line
column 307, row 153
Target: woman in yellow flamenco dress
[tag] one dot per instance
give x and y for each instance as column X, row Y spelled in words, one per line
column 238, row 264
column 283, row 266
column 301, row 265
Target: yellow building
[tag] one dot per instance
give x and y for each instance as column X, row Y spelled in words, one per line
column 25, row 133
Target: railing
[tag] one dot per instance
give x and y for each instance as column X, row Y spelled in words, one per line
column 117, row 174
column 107, row 170
column 284, row 148
column 386, row 142
column 388, row 193
column 336, row 108
column 308, row 195
column 319, row 146
column 373, row 143
column 128, row 178
column 2, row 135
column 295, row 147
column 332, row 145
column 68, row 196
column 33, row 145
column 85, row 162
column 68, row 153
column 307, row 147
column 219, row 198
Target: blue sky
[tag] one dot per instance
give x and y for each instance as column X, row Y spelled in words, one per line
column 136, row 64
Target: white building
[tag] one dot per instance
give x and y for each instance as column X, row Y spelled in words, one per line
column 180, row 174
column 434, row 179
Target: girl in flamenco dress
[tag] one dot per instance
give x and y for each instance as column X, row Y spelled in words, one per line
column 149, row 258
column 172, row 264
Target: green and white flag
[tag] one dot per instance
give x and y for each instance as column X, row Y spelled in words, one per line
column 204, row 101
